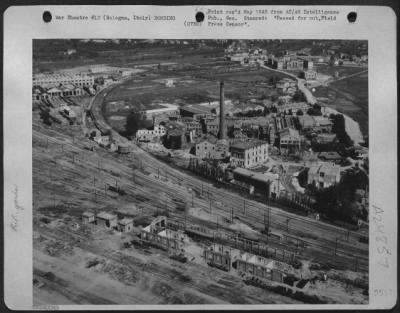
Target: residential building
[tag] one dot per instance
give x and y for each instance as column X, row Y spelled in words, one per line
column 286, row 86
column 249, row 153
column 324, row 174
column 308, row 75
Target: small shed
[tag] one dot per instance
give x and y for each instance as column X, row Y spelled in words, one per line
column 88, row 217
column 123, row 149
column 125, row 225
column 106, row 220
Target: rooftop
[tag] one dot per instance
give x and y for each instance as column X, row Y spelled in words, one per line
column 244, row 145
column 289, row 132
column 330, row 155
column 196, row 109
column 106, row 216
column 264, row 178
column 125, row 221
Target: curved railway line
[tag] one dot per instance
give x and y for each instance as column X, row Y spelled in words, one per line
column 321, row 238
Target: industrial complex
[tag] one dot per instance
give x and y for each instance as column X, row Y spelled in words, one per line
column 199, row 172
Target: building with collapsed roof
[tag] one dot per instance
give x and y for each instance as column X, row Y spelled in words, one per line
column 218, row 256
column 323, row 175
column 158, row 234
column 258, row 266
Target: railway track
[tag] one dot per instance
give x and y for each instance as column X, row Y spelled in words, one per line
column 301, row 228
column 171, row 191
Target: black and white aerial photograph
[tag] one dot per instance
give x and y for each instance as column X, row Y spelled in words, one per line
column 181, row 172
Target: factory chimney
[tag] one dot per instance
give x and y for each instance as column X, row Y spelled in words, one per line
column 222, row 127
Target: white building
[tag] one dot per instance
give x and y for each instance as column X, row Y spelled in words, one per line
column 149, row 135
column 53, row 80
column 249, row 153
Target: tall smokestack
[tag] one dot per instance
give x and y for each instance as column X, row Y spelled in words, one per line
column 222, row 128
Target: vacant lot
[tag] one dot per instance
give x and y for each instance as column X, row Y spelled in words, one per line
column 342, row 70
column 349, row 96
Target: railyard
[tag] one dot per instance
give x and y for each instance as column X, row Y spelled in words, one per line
column 76, row 262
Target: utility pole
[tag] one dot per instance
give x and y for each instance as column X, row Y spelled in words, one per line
column 265, row 223
column 287, row 224
column 336, row 245
column 232, row 214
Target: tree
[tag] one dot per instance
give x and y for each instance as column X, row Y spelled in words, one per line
column 134, row 121
column 299, row 96
column 299, row 112
column 274, row 109
column 315, row 110
column 339, row 128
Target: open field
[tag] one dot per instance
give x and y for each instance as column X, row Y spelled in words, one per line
column 349, row 96
column 139, row 94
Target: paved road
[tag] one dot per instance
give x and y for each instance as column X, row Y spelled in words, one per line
column 300, row 83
